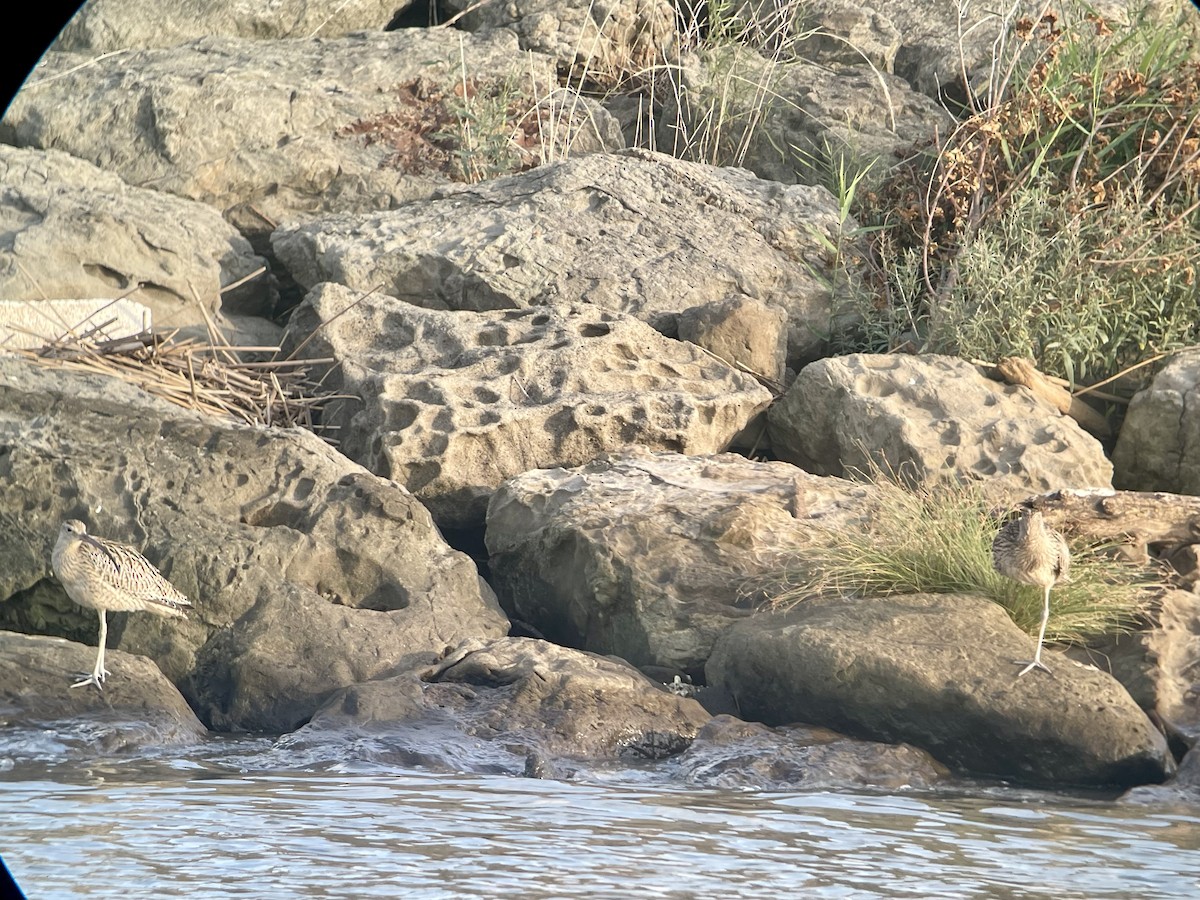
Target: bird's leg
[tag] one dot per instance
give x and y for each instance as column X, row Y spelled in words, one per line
column 98, row 671
column 1036, row 662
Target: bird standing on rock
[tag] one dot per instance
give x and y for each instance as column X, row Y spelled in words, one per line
column 1030, row 551
column 106, row 575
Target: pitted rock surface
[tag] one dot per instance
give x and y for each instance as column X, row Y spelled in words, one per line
column 931, row 417
column 1159, row 445
column 452, row 404
column 307, row 573
column 268, row 131
column 76, row 231
column 651, row 556
column 633, row 232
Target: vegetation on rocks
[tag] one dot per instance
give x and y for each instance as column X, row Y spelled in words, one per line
column 1059, row 221
column 937, row 538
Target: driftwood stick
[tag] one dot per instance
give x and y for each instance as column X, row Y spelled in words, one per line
column 1016, row 370
column 1137, row 517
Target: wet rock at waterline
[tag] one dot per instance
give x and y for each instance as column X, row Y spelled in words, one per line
column 937, row 671
column 633, row 232
column 732, row 754
column 452, row 404
column 651, row 556
column 931, row 417
column 307, row 572
column 138, row 707
column 496, row 706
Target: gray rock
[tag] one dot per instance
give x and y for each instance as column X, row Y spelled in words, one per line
column 792, row 121
column 936, row 671
column 602, row 41
column 632, row 232
column 651, row 557
column 931, row 417
column 1182, row 790
column 72, row 230
column 742, row 331
column 452, row 404
column 942, row 39
column 1159, row 445
column 1157, row 665
column 514, row 705
column 268, row 131
column 138, row 707
column 735, row 755
column 307, row 572
column 102, row 26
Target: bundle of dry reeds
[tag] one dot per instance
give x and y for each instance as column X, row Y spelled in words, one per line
column 214, row 378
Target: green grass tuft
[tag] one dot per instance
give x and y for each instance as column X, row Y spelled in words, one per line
column 937, row 538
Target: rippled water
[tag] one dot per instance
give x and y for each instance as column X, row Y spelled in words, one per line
column 221, row 826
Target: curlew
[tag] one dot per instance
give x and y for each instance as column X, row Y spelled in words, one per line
column 1030, row 551
column 105, row 575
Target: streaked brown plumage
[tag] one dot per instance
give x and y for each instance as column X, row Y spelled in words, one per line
column 1030, row 551
column 106, row 575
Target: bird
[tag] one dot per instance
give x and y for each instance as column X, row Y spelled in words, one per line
column 104, row 575
column 1028, row 550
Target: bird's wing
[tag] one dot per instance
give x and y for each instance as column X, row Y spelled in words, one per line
column 123, row 568
column 1063, row 567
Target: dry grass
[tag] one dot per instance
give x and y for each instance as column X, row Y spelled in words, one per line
column 937, row 539
column 210, row 376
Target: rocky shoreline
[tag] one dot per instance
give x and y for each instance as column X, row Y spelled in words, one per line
column 569, row 433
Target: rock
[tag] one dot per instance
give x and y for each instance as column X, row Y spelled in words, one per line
column 307, row 572
column 138, row 707
column 605, row 42
column 942, row 39
column 267, row 131
column 1159, row 445
column 450, row 404
column 930, row 417
column 813, row 116
column 747, row 334
column 27, row 325
column 1157, row 665
column 652, row 556
column 76, row 231
column 633, row 232
column 104, row 26
column 936, row 671
column 517, row 701
column 1182, row 790
column 734, row 755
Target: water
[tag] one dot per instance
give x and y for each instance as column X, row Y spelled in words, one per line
column 220, row 824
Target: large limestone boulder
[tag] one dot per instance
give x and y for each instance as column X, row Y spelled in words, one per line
column 937, row 671
column 792, row 121
column 931, row 417
column 1159, row 445
column 267, row 131
column 138, row 707
column 450, row 404
column 632, row 232
column 602, row 41
column 75, row 231
column 513, row 705
column 652, row 556
column 104, row 26
column 307, row 572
